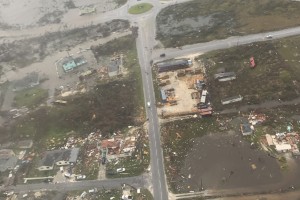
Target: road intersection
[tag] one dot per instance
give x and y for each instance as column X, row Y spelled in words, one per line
column 146, row 52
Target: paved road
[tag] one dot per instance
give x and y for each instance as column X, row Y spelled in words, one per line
column 145, row 43
column 223, row 44
column 157, row 168
column 81, row 185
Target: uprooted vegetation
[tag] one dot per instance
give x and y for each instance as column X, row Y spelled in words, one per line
column 199, row 21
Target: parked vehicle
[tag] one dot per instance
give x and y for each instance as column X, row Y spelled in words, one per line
column 119, row 170
column 269, row 36
column 80, row 177
column 93, row 190
column 162, row 55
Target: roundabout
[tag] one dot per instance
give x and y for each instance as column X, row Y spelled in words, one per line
column 140, row 8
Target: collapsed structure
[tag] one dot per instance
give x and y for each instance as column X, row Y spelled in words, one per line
column 284, row 142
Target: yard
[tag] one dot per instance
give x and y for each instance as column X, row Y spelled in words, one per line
column 200, row 21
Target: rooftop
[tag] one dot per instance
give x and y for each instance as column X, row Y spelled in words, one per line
column 51, row 157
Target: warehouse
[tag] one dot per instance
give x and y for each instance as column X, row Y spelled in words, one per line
column 173, row 65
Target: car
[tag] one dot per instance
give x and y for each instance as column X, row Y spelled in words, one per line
column 80, row 177
column 162, row 55
column 148, row 104
column 269, row 36
column 119, row 170
column 93, row 190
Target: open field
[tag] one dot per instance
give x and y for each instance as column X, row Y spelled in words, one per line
column 274, row 79
column 200, row 21
column 140, row 8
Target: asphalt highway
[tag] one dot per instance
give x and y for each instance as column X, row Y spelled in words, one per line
column 144, row 48
column 223, row 44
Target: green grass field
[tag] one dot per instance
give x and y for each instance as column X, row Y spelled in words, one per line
column 31, row 97
column 140, row 8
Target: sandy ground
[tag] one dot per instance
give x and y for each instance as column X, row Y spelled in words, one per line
column 183, row 91
column 29, row 12
column 224, row 161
